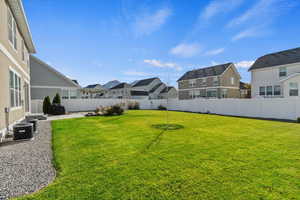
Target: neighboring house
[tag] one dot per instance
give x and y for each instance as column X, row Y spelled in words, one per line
column 120, row 91
column 46, row 81
column 220, row 81
column 111, row 84
column 15, row 46
column 168, row 92
column 135, row 94
column 153, row 86
column 245, row 90
column 94, row 91
column 276, row 75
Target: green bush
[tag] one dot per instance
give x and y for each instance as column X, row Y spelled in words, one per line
column 298, row 120
column 161, row 107
column 133, row 105
column 56, row 99
column 113, row 110
column 46, row 105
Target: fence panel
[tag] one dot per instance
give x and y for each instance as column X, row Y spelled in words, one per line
column 260, row 108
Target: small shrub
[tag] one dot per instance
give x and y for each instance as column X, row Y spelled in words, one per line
column 46, row 105
column 298, row 120
column 117, row 109
column 113, row 110
column 133, row 105
column 56, row 99
column 161, row 107
column 57, row 109
column 99, row 110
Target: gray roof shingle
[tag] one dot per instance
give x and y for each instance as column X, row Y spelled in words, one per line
column 205, row 72
column 119, row 86
column 279, row 58
column 144, row 82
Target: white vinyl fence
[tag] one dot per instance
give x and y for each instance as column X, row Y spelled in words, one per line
column 288, row 109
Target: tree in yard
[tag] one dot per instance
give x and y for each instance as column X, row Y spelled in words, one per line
column 46, row 105
column 56, row 99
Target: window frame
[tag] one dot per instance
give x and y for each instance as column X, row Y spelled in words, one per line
column 12, row 29
column 296, row 89
column 269, row 89
column 15, row 89
column 232, row 80
column 284, row 72
column 275, row 93
column 260, row 91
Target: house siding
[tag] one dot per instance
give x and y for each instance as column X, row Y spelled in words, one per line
column 270, row 77
column 213, row 82
column 11, row 59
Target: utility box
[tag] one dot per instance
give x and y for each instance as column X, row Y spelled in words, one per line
column 23, row 131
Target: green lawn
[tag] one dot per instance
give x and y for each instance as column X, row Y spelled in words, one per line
column 213, row 157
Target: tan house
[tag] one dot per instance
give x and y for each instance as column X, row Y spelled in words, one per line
column 15, row 46
column 220, row 81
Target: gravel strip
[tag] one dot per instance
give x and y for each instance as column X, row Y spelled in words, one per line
column 26, row 167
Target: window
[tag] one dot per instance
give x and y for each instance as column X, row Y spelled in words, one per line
column 232, row 80
column 23, row 51
column 215, row 81
column 212, row 93
column 202, row 93
column 73, row 94
column 12, row 29
column 224, row 93
column 269, row 90
column 294, row 89
column 197, row 93
column 14, row 89
column 192, row 83
column 277, row 90
column 282, row 71
column 191, row 94
column 262, row 91
column 65, row 94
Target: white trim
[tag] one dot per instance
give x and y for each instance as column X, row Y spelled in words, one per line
column 54, row 87
column 290, row 76
column 6, row 53
column 275, row 67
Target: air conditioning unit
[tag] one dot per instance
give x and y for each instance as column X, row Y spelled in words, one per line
column 23, row 131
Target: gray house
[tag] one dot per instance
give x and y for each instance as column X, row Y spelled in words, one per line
column 46, row 81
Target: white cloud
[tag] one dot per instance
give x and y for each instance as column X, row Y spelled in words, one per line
column 263, row 12
column 136, row 73
column 157, row 63
column 146, row 24
column 244, row 64
column 186, row 50
column 215, row 52
column 219, row 6
column 250, row 32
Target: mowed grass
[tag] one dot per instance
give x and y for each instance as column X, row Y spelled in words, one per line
column 212, row 157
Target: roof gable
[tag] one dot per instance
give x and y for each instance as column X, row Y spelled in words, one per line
column 205, row 72
column 279, row 58
column 120, row 86
column 43, row 74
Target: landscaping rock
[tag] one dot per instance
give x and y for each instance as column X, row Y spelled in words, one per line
column 26, row 167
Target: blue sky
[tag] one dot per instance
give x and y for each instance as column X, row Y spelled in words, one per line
column 95, row 41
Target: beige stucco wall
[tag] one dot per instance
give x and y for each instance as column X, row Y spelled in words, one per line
column 8, row 59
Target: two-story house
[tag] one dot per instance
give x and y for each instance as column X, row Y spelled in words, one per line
column 276, row 75
column 169, row 92
column 120, row 91
column 153, row 86
column 220, row 81
column 94, row 91
column 15, row 46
